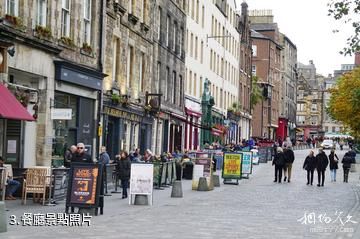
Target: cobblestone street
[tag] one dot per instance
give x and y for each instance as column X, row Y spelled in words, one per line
column 256, row 208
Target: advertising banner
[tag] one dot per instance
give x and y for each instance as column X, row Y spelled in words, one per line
column 84, row 187
column 141, row 180
column 246, row 163
column 232, row 166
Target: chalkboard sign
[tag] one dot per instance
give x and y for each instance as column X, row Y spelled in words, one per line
column 85, row 183
column 61, row 179
column 262, row 155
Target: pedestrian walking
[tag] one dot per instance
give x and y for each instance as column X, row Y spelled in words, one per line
column 333, row 158
column 322, row 162
column 347, row 161
column 289, row 160
column 123, row 166
column 309, row 165
column 279, row 162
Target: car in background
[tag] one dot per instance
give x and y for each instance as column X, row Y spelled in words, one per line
column 328, row 144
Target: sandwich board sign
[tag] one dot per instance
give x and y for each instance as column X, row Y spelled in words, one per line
column 203, row 168
column 246, row 168
column 232, row 167
column 141, row 180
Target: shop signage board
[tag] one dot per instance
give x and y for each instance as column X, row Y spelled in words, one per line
column 232, row 167
column 61, row 114
column 141, row 180
column 202, row 168
column 246, row 168
column 84, row 186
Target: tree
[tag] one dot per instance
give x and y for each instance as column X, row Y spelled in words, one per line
column 345, row 10
column 344, row 102
column 256, row 92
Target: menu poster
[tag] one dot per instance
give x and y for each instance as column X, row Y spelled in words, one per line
column 232, row 166
column 84, row 185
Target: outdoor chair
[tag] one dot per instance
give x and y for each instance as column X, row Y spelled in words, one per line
column 35, row 182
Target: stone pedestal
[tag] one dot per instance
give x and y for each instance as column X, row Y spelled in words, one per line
column 176, row 191
column 203, row 185
column 141, row 200
column 216, row 180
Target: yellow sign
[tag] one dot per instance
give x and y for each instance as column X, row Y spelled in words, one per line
column 232, row 165
column 100, row 130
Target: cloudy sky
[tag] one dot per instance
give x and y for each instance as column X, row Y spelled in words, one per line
column 306, row 23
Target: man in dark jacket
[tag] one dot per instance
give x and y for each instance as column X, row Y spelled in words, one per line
column 289, row 160
column 347, row 161
column 279, row 162
column 322, row 162
column 81, row 156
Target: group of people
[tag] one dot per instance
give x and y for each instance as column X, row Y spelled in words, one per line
column 321, row 161
column 284, row 158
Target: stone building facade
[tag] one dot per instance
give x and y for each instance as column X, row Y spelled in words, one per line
column 128, row 64
column 169, row 26
column 266, row 65
column 310, row 97
column 54, row 63
column 287, row 107
column 245, row 73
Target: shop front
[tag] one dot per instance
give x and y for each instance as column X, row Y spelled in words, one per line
column 13, row 116
column 126, row 129
column 192, row 126
column 74, row 109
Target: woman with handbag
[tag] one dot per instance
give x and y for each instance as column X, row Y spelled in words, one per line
column 309, row 166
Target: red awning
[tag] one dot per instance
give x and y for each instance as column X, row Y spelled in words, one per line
column 10, row 107
column 192, row 113
column 216, row 132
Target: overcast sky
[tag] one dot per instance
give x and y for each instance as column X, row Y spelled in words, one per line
column 307, row 25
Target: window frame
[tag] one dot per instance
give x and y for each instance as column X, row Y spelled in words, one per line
column 65, row 26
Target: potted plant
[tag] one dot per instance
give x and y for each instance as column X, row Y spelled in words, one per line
column 115, row 99
column 16, row 22
column 67, row 41
column 43, row 32
column 87, row 48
